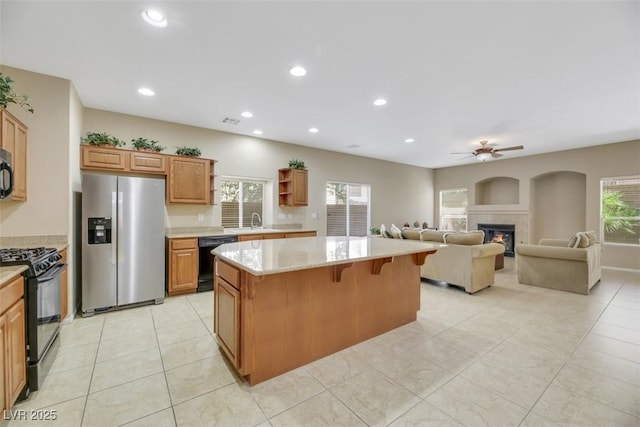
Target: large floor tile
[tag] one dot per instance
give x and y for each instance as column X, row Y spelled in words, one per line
column 131, row 343
column 374, row 398
column 445, row 354
column 285, row 391
column 197, row 378
column 164, row 418
column 565, row 407
column 425, row 415
column 510, row 383
column 184, row 352
column 607, row 365
column 473, row 405
column 228, row 406
column 60, row 387
column 611, row 346
column 615, row 393
column 73, row 336
column 64, row 414
column 124, row 369
column 68, row 358
column 321, row 410
column 336, row 368
column 538, row 364
column 182, row 331
column 127, row 402
column 622, row 333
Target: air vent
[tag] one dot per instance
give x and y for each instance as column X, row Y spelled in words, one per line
column 230, row 121
column 352, row 146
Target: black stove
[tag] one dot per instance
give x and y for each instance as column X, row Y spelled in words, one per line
column 38, row 260
column 43, row 308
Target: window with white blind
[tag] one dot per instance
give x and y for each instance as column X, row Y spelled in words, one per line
column 453, row 209
column 240, row 198
column 348, row 209
column 620, row 210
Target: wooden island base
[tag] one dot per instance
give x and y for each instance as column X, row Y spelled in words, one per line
column 270, row 324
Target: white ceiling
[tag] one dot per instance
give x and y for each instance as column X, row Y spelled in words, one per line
column 544, row 74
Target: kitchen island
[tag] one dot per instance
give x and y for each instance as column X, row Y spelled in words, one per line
column 280, row 304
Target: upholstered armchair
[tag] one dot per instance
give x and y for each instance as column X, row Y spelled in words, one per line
column 553, row 264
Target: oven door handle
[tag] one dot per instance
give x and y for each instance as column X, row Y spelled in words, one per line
column 52, row 273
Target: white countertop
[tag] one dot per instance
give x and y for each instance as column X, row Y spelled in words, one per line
column 260, row 257
column 205, row 232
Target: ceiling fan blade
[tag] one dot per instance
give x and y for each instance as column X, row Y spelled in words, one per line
column 465, row 157
column 465, row 152
column 517, row 147
column 496, row 155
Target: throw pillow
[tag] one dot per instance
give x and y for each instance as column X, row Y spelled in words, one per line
column 583, row 240
column 432, row 235
column 573, row 241
column 593, row 237
column 412, row 233
column 396, row 233
column 462, row 238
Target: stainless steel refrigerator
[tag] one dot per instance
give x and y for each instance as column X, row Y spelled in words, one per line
column 123, row 247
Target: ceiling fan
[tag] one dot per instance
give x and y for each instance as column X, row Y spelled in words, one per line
column 487, row 151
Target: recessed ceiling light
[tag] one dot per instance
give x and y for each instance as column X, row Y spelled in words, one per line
column 257, row 132
column 154, row 18
column 297, row 71
column 314, row 130
column 146, row 91
column 247, row 114
column 409, row 140
column 380, row 101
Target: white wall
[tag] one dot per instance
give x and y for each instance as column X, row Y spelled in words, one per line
column 399, row 193
column 609, row 160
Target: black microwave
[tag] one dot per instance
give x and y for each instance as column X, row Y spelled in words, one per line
column 6, row 175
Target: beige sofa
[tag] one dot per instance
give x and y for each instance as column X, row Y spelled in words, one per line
column 553, row 264
column 464, row 261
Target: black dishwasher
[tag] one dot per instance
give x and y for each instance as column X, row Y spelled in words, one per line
column 205, row 259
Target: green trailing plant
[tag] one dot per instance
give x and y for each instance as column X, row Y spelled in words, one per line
column 145, row 144
column 188, row 151
column 296, row 164
column 375, row 230
column 102, row 138
column 9, row 96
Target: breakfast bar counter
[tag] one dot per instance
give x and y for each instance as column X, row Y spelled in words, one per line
column 280, row 304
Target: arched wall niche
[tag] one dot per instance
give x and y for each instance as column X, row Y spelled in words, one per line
column 500, row 190
column 558, row 201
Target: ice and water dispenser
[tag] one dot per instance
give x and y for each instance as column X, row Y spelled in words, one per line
column 99, row 230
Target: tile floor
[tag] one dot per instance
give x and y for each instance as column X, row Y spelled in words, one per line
column 511, row 355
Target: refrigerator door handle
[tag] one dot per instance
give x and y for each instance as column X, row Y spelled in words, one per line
column 120, row 222
column 113, row 216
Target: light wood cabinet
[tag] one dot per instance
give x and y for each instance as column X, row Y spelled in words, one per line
column 144, row 161
column 13, row 358
column 183, row 266
column 101, row 158
column 14, row 140
column 189, row 181
column 64, row 291
column 300, row 234
column 292, row 187
column 265, row 236
column 226, row 324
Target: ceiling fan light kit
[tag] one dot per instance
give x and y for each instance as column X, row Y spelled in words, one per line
column 487, row 151
column 483, row 157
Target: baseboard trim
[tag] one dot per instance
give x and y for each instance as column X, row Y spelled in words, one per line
column 630, row 270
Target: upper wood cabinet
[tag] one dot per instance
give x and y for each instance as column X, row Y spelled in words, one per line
column 292, row 187
column 189, row 181
column 144, row 161
column 14, row 140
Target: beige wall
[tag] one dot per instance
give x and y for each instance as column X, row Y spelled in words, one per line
column 76, row 112
column 610, row 160
column 46, row 211
column 399, row 193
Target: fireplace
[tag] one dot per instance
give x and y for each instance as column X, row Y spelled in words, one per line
column 500, row 233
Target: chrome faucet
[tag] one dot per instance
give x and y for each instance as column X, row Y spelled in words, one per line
column 253, row 215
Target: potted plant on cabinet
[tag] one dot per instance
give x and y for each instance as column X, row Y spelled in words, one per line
column 9, row 96
column 102, row 139
column 143, row 144
column 188, row 151
column 296, row 164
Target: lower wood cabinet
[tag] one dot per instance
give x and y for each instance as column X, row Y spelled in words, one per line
column 226, row 324
column 13, row 357
column 183, row 266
